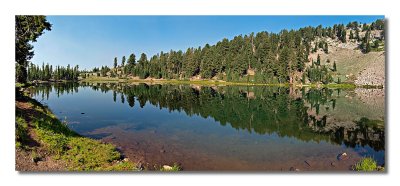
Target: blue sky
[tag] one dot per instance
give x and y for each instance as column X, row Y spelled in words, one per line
column 92, row 41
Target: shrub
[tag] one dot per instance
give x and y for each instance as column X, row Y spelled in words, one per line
column 366, row 164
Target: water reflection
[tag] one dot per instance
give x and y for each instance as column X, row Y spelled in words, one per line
column 305, row 114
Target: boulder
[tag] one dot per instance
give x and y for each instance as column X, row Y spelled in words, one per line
column 167, row 167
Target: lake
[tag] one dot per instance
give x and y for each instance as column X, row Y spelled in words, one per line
column 226, row 127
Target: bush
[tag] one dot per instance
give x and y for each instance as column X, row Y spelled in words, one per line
column 366, row 164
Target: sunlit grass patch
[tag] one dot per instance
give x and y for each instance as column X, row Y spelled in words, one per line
column 366, row 164
column 88, row 154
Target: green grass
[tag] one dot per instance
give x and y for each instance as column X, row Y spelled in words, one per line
column 19, row 85
column 104, row 79
column 88, row 154
column 55, row 143
column 366, row 164
column 21, row 132
column 79, row 153
column 333, row 85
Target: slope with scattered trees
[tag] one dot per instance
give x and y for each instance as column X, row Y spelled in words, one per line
column 308, row 55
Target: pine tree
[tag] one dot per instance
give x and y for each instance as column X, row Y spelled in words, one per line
column 376, row 43
column 367, row 48
column 366, row 41
column 315, row 48
column 143, row 65
column 115, row 63
column 129, row 68
column 27, row 30
column 343, row 36
column 334, row 67
column 123, row 61
column 326, row 48
column 132, row 59
column 358, row 35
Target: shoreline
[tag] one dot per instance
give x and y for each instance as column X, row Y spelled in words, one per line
column 44, row 143
column 226, row 83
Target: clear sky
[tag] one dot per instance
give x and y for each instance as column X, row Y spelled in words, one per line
column 92, row 41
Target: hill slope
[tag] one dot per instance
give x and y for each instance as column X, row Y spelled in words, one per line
column 354, row 66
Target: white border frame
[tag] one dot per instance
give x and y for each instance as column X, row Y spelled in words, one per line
column 196, row 7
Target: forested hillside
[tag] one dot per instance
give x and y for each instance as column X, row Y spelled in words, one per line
column 306, row 55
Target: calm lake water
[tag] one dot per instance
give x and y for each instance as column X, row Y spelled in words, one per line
column 227, row 127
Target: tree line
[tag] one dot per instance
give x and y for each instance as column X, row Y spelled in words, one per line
column 262, row 57
column 47, row 72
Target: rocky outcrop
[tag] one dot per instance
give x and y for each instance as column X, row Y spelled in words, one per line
column 374, row 74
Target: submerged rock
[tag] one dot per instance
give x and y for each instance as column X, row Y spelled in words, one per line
column 343, row 156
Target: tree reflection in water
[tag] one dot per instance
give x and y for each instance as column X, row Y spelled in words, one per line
column 284, row 111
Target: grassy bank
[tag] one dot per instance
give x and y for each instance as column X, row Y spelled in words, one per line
column 218, row 83
column 38, row 128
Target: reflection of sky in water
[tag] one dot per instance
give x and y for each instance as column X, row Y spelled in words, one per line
column 100, row 111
